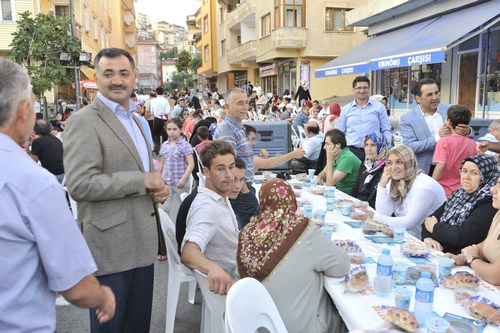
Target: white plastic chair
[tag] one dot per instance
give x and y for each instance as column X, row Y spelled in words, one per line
column 302, row 132
column 177, row 272
column 213, row 308
column 250, row 307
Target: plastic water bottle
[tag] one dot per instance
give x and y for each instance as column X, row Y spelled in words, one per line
column 383, row 280
column 424, row 297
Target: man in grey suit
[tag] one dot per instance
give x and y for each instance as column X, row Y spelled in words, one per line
column 110, row 174
column 422, row 127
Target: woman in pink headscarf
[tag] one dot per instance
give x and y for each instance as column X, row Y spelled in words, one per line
column 329, row 122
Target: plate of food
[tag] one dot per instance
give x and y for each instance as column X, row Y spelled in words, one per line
column 340, row 202
column 318, row 190
column 461, row 279
column 483, row 309
column 415, row 250
column 357, row 280
column 402, row 319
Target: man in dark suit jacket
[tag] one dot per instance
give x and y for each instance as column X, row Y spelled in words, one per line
column 110, row 174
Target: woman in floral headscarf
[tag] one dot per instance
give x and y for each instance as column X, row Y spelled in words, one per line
column 406, row 192
column 465, row 218
column 371, row 170
column 290, row 256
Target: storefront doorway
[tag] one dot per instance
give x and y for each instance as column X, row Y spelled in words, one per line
column 467, row 79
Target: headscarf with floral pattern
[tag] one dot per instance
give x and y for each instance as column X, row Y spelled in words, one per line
column 266, row 240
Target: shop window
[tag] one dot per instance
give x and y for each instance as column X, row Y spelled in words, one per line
column 489, row 99
column 335, row 19
column 6, row 10
column 289, row 13
column 265, row 25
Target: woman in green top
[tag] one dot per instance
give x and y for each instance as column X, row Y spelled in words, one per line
column 342, row 165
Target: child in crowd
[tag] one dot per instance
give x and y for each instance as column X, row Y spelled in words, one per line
column 452, row 150
column 203, row 134
column 176, row 165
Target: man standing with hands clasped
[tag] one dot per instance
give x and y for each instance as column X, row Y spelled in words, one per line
column 110, row 174
column 41, row 249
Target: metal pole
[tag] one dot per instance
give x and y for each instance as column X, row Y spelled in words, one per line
column 76, row 68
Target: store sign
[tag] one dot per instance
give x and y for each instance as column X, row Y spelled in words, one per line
column 268, row 70
column 342, row 70
column 409, row 60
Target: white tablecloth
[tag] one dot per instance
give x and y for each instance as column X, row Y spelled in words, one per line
column 359, row 310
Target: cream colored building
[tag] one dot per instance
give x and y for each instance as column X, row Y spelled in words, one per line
column 281, row 43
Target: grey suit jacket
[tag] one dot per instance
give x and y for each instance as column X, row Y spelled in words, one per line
column 417, row 136
column 105, row 176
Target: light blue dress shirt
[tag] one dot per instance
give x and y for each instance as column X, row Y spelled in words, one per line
column 126, row 117
column 41, row 249
column 359, row 121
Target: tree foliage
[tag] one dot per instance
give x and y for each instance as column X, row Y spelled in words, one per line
column 183, row 61
column 180, row 80
column 169, row 54
column 36, row 45
column 195, row 62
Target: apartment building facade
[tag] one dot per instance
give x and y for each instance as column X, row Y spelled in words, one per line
column 454, row 42
column 281, row 43
column 207, row 45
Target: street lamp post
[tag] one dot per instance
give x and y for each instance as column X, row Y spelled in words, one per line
column 76, row 69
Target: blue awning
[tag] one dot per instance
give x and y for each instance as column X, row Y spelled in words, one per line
column 417, row 44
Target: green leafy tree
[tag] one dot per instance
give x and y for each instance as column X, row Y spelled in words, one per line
column 195, row 62
column 36, row 45
column 169, row 54
column 180, row 80
column 183, row 61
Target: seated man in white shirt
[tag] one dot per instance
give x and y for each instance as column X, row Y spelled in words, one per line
column 312, row 149
column 211, row 237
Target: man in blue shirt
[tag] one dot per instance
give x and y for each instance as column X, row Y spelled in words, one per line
column 42, row 250
column 363, row 116
column 232, row 131
column 302, row 118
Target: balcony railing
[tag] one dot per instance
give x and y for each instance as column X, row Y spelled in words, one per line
column 289, row 38
column 242, row 52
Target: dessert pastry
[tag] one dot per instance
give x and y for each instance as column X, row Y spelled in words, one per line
column 357, row 214
column 481, row 308
column 357, row 279
column 317, row 190
column 415, row 250
column 461, row 280
column 402, row 319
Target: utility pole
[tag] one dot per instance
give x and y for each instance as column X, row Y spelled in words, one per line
column 76, row 68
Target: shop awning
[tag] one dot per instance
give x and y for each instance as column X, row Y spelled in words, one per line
column 89, row 72
column 417, row 44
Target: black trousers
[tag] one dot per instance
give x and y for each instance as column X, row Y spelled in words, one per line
column 159, row 133
column 133, row 291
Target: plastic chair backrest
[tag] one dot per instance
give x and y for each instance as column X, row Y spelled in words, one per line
column 302, row 132
column 249, row 306
column 168, row 228
column 214, row 306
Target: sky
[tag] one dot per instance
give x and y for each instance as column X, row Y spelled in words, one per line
column 171, row 11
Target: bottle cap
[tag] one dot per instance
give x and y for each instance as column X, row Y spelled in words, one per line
column 386, row 251
column 426, row 275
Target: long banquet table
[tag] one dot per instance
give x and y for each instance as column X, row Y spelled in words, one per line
column 361, row 311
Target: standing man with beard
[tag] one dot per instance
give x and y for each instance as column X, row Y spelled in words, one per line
column 110, row 174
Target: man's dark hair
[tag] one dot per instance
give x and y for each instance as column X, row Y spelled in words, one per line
column 287, row 99
column 159, row 91
column 313, row 127
column 459, row 114
column 133, row 95
column 213, row 149
column 360, row 79
column 42, row 127
column 239, row 163
column 417, row 90
column 112, row 52
column 198, row 114
column 337, row 137
column 203, row 132
column 249, row 129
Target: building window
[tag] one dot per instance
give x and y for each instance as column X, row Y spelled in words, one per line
column 335, row 19
column 206, row 53
column 103, row 40
column 152, row 49
column 86, row 18
column 265, row 25
column 96, row 28
column 289, row 13
column 153, row 60
column 222, row 14
column 6, row 10
column 62, row 11
column 222, row 47
column 205, row 25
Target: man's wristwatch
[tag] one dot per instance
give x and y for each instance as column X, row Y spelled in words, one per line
column 471, row 259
